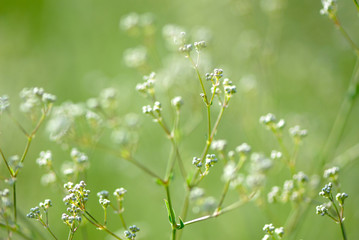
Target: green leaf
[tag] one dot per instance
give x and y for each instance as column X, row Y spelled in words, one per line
column 168, row 211
column 181, row 225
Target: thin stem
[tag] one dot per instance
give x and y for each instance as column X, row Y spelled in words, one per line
column 6, row 163
column 42, row 118
column 193, row 182
column 123, row 220
column 345, row 34
column 28, row 143
column 17, row 124
column 128, row 158
column 71, row 235
column 100, row 226
column 105, row 217
column 208, row 143
column 340, row 219
column 337, row 128
column 218, row 213
column 209, row 119
column 224, row 193
column 143, row 168
column 200, row 79
column 175, row 147
column 285, row 151
column 52, row 234
column 172, row 214
column 14, row 200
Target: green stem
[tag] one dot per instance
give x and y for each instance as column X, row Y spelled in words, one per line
column 52, row 234
column 120, row 213
column 105, row 217
column 218, row 213
column 128, row 158
column 175, row 147
column 6, row 163
column 123, row 220
column 193, row 182
column 209, row 119
column 18, row 124
column 29, row 139
column 285, row 151
column 173, row 236
column 14, row 200
column 100, row 226
column 345, row 34
column 170, row 206
column 224, row 193
column 208, row 143
column 71, row 235
column 200, row 80
column 340, row 219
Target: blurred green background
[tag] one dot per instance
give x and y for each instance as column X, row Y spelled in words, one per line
column 288, row 60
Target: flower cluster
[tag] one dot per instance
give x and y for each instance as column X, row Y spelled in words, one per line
column 297, row 133
column 270, row 121
column 293, row 190
column 103, row 198
column 75, row 200
column 329, row 7
column 219, row 145
column 131, row 232
column 147, row 87
column 154, row 111
column 271, row 231
column 45, row 159
column 332, row 174
column 177, row 102
column 35, row 97
column 327, row 192
column 80, row 159
column 35, row 213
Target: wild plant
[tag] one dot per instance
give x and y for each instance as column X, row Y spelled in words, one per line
column 246, row 172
